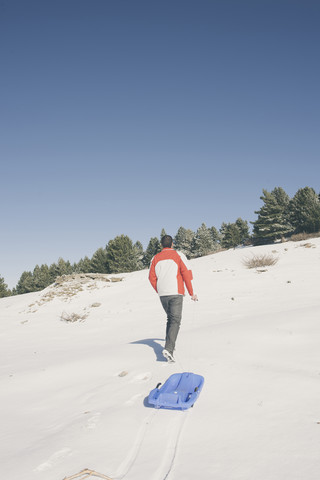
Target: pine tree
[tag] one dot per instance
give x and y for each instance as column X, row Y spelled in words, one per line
column 305, row 211
column 4, row 291
column 216, row 237
column 162, row 234
column 41, row 277
column 83, row 266
column 231, row 237
column 99, row 261
column 153, row 248
column 138, row 248
column 53, row 270
column 121, row 255
column 67, row 267
column 25, row 284
column 203, row 243
column 273, row 222
column 183, row 241
column 61, row 268
column 234, row 234
column 244, row 230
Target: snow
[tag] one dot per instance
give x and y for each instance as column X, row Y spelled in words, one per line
column 73, row 395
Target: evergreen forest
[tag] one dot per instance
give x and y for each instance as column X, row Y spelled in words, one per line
column 279, row 218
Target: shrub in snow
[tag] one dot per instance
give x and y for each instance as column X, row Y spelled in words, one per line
column 257, row 261
column 72, row 317
column 304, row 236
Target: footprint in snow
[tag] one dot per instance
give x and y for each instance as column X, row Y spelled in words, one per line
column 59, row 455
column 92, row 422
column 133, row 399
column 141, row 377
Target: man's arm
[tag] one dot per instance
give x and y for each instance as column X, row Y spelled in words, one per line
column 152, row 275
column 187, row 276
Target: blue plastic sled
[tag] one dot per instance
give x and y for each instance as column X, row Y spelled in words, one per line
column 180, row 391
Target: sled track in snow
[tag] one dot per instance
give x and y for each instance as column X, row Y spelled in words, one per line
column 146, row 446
column 175, row 447
column 128, row 463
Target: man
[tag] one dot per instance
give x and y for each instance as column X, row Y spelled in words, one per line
column 169, row 274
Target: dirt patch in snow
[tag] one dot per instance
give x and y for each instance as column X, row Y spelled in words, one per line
column 67, row 287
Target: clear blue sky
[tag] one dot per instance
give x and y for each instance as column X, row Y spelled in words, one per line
column 127, row 116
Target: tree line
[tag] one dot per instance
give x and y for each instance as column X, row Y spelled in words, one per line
column 279, row 217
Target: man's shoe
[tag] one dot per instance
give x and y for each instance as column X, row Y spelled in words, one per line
column 168, row 356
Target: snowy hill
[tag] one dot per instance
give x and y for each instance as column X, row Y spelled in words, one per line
column 73, row 394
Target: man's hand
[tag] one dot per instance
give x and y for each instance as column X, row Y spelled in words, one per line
column 194, row 298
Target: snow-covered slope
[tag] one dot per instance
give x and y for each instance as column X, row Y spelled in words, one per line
column 73, row 394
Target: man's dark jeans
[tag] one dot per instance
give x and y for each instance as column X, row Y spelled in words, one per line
column 172, row 305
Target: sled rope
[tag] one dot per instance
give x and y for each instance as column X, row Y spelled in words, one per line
column 86, row 473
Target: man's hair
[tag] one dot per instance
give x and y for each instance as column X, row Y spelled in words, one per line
column 166, row 241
